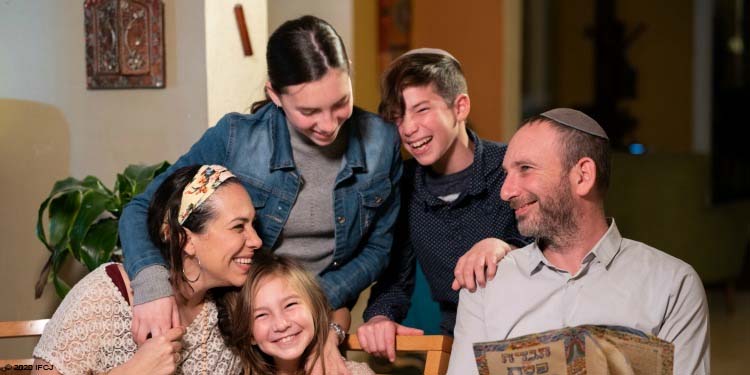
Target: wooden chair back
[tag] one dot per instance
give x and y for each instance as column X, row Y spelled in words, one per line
column 21, row 328
column 437, row 347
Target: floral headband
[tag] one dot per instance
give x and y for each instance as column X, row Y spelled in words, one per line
column 204, row 183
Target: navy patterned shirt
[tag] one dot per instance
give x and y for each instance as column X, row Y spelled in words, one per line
column 437, row 233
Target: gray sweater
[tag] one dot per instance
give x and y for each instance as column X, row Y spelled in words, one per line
column 308, row 234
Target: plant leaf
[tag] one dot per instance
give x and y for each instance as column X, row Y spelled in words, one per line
column 143, row 174
column 124, row 187
column 61, row 287
column 93, row 204
column 40, row 225
column 99, row 243
column 59, row 187
column 134, row 181
column 77, row 226
column 93, row 183
column 64, row 185
column 62, row 213
column 58, row 258
column 43, row 278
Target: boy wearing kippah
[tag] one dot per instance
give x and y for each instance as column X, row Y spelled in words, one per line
column 452, row 219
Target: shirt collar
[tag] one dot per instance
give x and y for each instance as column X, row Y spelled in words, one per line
column 477, row 182
column 604, row 251
column 609, row 245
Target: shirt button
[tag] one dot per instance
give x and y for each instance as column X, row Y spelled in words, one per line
column 335, row 264
column 378, row 200
column 279, row 208
column 341, row 219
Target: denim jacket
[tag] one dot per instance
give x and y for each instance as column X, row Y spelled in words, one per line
column 257, row 149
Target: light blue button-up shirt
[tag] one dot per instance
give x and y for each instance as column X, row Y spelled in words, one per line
column 620, row 282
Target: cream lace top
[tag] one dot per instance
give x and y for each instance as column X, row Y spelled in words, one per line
column 358, row 368
column 90, row 333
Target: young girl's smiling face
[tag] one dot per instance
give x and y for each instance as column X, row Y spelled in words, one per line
column 282, row 322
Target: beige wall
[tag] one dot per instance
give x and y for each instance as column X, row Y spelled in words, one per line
column 234, row 81
column 108, row 128
column 662, row 57
column 34, row 152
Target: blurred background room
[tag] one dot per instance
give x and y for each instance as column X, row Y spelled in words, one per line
column 668, row 80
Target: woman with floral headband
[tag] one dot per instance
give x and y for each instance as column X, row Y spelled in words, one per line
column 201, row 218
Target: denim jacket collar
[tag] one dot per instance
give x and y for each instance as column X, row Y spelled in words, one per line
column 281, row 148
column 281, row 145
column 355, row 152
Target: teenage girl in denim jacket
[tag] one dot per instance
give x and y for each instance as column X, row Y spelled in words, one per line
column 309, row 120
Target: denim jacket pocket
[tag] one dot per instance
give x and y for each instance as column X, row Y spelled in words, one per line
column 372, row 198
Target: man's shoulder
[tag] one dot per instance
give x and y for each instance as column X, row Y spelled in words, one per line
column 654, row 259
column 520, row 255
column 513, row 268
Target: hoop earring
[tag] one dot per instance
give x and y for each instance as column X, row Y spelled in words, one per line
column 200, row 270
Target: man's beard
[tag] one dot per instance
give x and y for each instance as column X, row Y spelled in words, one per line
column 555, row 220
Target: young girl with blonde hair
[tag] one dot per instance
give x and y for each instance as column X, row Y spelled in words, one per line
column 281, row 319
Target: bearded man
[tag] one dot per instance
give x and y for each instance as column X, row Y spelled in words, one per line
column 579, row 270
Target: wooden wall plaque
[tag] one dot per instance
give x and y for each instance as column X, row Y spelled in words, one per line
column 124, row 44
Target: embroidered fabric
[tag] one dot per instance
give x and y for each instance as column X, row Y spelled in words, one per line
column 90, row 333
column 358, row 368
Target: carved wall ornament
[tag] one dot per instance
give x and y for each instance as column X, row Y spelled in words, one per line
column 124, row 44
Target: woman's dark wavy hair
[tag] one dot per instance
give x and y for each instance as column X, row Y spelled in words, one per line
column 163, row 226
column 302, row 50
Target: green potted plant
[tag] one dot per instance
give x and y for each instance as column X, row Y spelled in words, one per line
column 82, row 217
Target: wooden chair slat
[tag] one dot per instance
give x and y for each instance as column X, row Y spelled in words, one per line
column 23, row 328
column 437, row 347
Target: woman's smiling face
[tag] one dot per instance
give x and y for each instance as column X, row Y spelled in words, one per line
column 228, row 241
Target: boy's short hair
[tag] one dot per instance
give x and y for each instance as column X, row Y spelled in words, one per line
column 419, row 69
